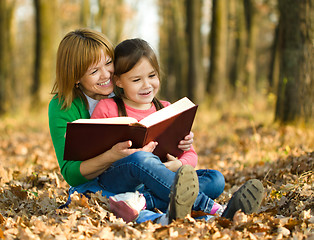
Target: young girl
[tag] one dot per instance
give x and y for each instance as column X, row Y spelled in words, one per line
column 136, row 82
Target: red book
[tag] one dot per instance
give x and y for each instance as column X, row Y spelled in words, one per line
column 87, row 138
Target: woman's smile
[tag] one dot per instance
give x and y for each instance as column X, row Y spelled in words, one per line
column 106, row 83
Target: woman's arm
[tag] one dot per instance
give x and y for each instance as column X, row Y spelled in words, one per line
column 93, row 167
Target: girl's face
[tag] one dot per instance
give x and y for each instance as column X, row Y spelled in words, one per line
column 97, row 81
column 140, row 85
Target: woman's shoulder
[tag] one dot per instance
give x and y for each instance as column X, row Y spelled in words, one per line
column 78, row 107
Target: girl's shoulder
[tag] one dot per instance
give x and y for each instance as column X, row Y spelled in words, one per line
column 107, row 103
column 165, row 103
column 105, row 108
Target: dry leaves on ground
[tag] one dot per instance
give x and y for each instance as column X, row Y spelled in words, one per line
column 32, row 189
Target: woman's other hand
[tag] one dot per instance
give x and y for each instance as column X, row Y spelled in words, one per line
column 172, row 163
column 186, row 143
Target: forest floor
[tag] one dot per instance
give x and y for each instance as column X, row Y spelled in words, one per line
column 242, row 142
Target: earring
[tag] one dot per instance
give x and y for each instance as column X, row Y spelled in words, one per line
column 77, row 85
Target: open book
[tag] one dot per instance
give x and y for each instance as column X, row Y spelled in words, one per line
column 87, row 138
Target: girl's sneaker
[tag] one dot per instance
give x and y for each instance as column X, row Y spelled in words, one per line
column 183, row 193
column 127, row 205
column 247, row 199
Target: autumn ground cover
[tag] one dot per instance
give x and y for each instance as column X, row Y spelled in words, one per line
column 242, row 142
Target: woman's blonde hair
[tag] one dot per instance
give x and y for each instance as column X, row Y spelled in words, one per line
column 77, row 51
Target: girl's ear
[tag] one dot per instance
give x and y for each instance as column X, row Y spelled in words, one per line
column 117, row 81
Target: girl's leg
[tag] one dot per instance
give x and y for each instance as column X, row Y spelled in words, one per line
column 125, row 175
column 212, row 182
column 128, row 173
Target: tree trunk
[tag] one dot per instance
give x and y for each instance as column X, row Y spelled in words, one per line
column 6, row 56
column 232, row 41
column 45, row 50
column 172, row 49
column 85, row 14
column 218, row 84
column 252, row 34
column 196, row 88
column 295, row 102
column 112, row 17
column 240, row 53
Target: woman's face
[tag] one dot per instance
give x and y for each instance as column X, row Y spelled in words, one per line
column 140, row 85
column 97, row 81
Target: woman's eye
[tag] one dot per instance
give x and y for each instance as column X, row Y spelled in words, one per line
column 109, row 62
column 94, row 71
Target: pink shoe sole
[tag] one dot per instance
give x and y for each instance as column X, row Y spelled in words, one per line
column 121, row 210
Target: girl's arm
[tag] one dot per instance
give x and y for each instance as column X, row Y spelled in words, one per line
column 188, row 157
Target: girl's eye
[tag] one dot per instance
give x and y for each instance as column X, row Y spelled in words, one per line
column 136, row 80
column 109, row 62
column 152, row 75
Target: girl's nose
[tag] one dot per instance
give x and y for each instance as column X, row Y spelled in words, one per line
column 146, row 83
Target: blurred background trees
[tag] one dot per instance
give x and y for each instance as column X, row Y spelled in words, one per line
column 214, row 51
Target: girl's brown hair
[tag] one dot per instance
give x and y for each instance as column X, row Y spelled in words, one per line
column 77, row 51
column 127, row 54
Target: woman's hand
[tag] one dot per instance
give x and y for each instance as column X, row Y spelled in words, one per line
column 186, row 143
column 172, row 163
column 123, row 149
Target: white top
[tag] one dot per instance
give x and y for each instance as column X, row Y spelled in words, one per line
column 93, row 102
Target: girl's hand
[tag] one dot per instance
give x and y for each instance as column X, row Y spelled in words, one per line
column 186, row 143
column 172, row 163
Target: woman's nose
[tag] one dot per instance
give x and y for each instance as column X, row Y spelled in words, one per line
column 105, row 73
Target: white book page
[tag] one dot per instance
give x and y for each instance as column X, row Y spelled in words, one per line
column 114, row 120
column 167, row 112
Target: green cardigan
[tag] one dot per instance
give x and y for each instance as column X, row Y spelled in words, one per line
column 58, row 119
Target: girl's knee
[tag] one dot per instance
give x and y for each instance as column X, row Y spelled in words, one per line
column 219, row 181
column 142, row 157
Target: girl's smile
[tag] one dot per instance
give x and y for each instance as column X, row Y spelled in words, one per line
column 140, row 85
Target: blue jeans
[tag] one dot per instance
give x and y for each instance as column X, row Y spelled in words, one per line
column 143, row 171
